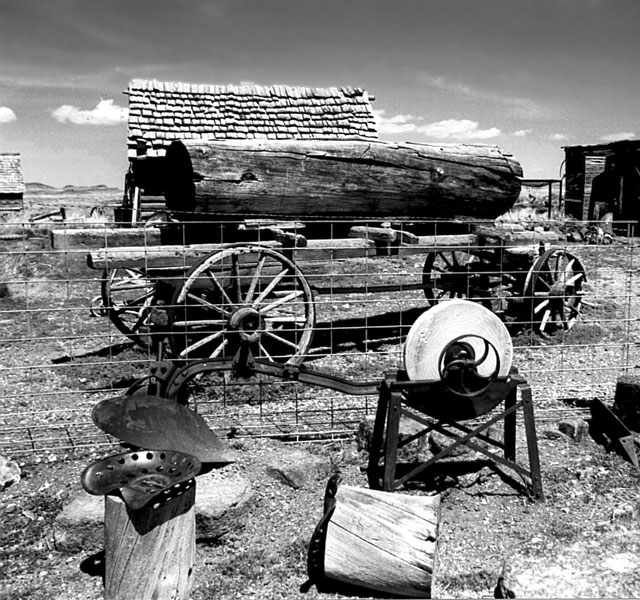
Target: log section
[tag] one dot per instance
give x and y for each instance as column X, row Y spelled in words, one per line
column 352, row 178
column 383, row 541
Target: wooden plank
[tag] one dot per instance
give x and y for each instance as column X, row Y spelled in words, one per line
column 145, row 257
column 74, row 239
column 383, row 234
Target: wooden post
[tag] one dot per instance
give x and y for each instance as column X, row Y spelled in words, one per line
column 135, row 210
column 149, row 552
column 382, row 541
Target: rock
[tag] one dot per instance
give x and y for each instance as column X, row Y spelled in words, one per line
column 438, row 442
column 576, row 429
column 416, row 450
column 9, row 472
column 222, row 502
column 297, row 468
column 79, row 527
column 627, row 512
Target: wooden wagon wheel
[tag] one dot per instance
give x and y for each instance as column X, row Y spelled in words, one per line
column 554, row 288
column 241, row 292
column 128, row 296
column 451, row 274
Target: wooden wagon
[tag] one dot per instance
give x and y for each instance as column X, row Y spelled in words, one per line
column 246, row 222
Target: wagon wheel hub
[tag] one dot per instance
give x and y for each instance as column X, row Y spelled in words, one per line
column 248, row 322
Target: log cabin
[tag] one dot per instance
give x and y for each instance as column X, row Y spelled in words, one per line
column 11, row 182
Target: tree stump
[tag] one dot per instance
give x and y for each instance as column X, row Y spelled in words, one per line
column 149, row 552
column 379, row 541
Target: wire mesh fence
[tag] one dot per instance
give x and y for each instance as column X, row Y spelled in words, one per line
column 87, row 313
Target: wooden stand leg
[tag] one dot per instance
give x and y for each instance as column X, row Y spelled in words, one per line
column 149, row 552
column 510, row 426
column 377, row 439
column 532, row 442
column 391, row 442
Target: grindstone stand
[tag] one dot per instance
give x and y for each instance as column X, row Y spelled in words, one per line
column 439, row 409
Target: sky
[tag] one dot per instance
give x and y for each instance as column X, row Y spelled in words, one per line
column 529, row 76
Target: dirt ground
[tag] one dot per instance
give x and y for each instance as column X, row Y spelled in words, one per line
column 582, row 541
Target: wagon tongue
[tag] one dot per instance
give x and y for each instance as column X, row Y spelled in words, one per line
column 155, row 423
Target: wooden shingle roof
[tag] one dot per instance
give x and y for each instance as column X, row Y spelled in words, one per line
column 11, row 181
column 161, row 112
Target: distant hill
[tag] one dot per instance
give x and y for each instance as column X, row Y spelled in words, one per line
column 34, row 186
column 43, row 188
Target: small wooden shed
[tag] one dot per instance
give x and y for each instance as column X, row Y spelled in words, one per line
column 611, row 169
column 163, row 112
column 11, row 182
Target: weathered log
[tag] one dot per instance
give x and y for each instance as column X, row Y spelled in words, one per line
column 150, row 552
column 379, row 541
column 326, row 178
column 497, row 236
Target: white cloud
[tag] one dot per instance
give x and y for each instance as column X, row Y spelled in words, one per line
column 395, row 124
column 522, row 132
column 615, row 137
column 105, row 113
column 457, row 129
column 7, row 115
column 558, row 137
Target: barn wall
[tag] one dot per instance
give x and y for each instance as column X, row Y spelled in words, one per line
column 583, row 163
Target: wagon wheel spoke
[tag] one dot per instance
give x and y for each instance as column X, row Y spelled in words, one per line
column 201, row 324
column 574, row 279
column 219, row 287
column 277, row 303
column 208, row 305
column 540, row 306
column 544, row 321
column 543, row 283
column 205, row 341
column 265, row 352
column 235, row 279
column 281, row 340
column 256, row 278
column 283, row 319
column 449, row 264
column 274, row 282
